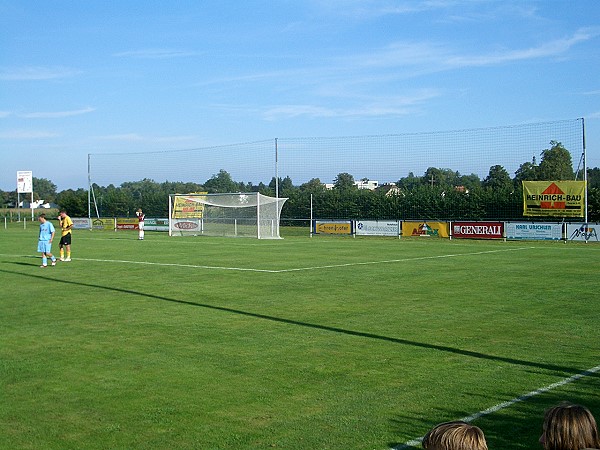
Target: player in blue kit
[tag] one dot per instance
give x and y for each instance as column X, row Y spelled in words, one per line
column 45, row 240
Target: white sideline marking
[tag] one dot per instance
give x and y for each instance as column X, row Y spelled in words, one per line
column 297, row 269
column 419, row 258
column 499, row 406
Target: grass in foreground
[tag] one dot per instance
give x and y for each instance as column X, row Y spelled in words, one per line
column 322, row 343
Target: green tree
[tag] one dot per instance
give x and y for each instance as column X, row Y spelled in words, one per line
column 441, row 177
column 314, row 185
column 44, row 189
column 284, row 185
column 74, row 202
column 593, row 177
column 221, row 182
column 344, row 182
column 498, row 179
column 409, row 182
column 528, row 171
column 556, row 163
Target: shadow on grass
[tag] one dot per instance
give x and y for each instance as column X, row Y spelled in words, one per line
column 562, row 370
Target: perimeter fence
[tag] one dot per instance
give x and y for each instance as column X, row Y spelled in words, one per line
column 457, row 174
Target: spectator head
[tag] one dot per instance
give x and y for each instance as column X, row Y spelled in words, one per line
column 569, row 427
column 455, row 436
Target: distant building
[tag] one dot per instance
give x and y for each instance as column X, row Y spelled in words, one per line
column 361, row 184
column 37, row 204
column 366, row 184
column 390, row 189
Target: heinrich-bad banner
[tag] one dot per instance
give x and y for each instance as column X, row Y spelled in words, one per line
column 553, row 198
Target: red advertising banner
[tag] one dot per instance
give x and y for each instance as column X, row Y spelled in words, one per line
column 127, row 224
column 478, row 230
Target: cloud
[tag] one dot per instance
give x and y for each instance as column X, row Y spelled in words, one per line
column 364, row 106
column 434, row 57
column 36, row 73
column 156, row 53
column 56, row 114
column 27, row 134
column 548, row 49
column 369, row 9
column 4, row 114
column 135, row 137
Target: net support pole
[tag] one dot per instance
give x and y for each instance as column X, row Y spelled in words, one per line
column 170, row 217
column 310, row 225
column 89, row 190
column 584, row 168
column 258, row 215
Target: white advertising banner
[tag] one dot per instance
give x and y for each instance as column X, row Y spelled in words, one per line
column 151, row 224
column 24, row 181
column 534, row 231
column 377, row 228
column 81, row 223
column 583, row 231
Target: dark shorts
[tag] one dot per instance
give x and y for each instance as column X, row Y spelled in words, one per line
column 65, row 240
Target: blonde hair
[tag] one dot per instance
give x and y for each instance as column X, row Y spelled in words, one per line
column 569, row 427
column 455, row 435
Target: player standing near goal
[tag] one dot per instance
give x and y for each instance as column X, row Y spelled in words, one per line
column 66, row 225
column 141, row 216
column 45, row 240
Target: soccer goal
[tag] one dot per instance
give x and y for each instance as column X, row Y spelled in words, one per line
column 236, row 215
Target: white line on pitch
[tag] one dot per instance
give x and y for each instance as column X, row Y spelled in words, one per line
column 503, row 405
column 193, row 266
column 387, row 261
column 297, row 269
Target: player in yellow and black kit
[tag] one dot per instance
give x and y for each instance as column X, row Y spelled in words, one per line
column 66, row 225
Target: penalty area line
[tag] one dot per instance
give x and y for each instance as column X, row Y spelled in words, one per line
column 388, row 261
column 503, row 405
column 189, row 266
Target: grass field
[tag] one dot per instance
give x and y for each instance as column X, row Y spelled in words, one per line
column 322, row 343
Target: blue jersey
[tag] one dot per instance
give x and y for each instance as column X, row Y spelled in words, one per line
column 46, row 230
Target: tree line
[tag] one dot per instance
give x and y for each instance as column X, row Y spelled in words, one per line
column 438, row 194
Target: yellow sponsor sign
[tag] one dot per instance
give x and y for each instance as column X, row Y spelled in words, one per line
column 333, row 227
column 553, row 198
column 187, row 206
column 437, row 229
column 103, row 224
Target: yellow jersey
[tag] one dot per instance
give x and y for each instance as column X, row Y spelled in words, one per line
column 66, row 225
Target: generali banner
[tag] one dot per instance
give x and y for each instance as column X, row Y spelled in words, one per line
column 478, row 230
column 553, row 198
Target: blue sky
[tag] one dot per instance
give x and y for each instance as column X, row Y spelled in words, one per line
column 81, row 77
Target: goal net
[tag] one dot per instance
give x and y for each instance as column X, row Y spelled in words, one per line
column 236, row 215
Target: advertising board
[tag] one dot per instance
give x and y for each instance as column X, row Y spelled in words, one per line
column 478, row 230
column 534, row 231
column 331, row 227
column 377, row 228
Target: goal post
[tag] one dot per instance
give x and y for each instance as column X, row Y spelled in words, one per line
column 232, row 214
